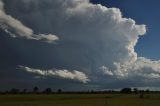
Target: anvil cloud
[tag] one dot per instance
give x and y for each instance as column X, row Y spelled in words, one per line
column 95, row 39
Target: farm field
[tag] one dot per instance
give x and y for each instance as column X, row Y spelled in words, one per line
column 79, row 100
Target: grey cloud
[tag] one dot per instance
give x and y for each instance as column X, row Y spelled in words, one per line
column 15, row 28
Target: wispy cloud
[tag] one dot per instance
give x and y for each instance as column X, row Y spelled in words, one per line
column 74, row 75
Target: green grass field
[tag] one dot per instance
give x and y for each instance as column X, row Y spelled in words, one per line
column 80, row 100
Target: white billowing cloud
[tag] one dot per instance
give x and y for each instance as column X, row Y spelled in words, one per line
column 106, row 71
column 94, row 37
column 145, row 68
column 142, row 68
column 15, row 28
column 75, row 75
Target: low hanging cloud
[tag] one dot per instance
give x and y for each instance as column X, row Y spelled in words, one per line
column 96, row 39
column 15, row 28
column 142, row 68
column 65, row 74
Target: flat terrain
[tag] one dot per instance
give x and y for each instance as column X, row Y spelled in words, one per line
column 79, row 100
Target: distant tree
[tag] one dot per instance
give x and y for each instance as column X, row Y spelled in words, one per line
column 59, row 91
column 147, row 91
column 14, row 91
column 141, row 94
column 24, row 91
column 126, row 90
column 92, row 91
column 48, row 90
column 135, row 90
column 35, row 89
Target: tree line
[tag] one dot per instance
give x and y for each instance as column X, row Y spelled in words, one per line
column 36, row 90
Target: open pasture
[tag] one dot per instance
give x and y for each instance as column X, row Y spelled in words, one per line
column 79, row 100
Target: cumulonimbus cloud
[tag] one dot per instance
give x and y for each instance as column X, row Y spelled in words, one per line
column 75, row 75
column 95, row 38
column 15, row 28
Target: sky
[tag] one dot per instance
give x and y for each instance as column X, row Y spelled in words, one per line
column 79, row 44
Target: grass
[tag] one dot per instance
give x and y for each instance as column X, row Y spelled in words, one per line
column 79, row 100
